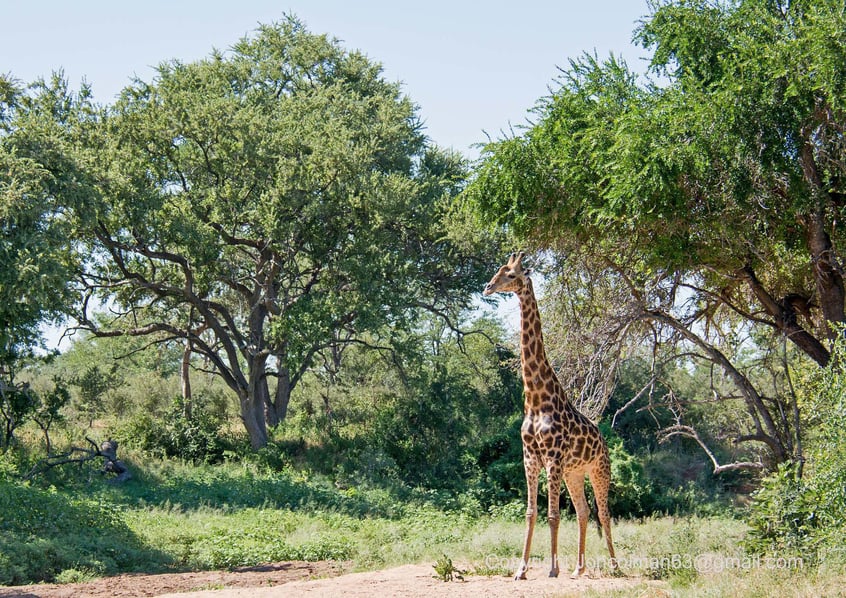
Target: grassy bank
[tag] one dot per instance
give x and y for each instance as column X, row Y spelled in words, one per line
column 172, row 517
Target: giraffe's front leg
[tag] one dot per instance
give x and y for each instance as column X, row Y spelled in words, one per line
column 527, row 544
column 532, row 467
column 553, row 475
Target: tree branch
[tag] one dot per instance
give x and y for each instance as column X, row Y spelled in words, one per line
column 688, row 432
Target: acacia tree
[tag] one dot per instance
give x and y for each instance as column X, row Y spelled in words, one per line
column 712, row 195
column 35, row 256
column 254, row 203
column 36, row 260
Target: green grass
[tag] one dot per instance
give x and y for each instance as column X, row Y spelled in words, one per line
column 172, row 517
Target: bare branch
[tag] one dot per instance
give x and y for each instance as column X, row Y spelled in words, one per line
column 688, row 432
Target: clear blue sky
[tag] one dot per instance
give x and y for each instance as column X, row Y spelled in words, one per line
column 470, row 66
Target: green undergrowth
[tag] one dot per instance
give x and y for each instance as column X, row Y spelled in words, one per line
column 46, row 533
column 172, row 517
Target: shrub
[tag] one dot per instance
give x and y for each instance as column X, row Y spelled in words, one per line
column 198, row 438
column 631, row 491
column 784, row 518
column 43, row 534
column 799, row 511
column 500, row 463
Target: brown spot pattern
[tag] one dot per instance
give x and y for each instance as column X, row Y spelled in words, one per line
column 554, row 434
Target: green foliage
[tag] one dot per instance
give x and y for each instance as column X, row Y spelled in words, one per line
column 45, row 533
column 286, row 177
column 446, row 571
column 93, row 383
column 784, row 516
column 17, row 404
column 20, row 403
column 198, row 437
column 799, row 512
column 500, row 461
column 416, row 416
column 651, row 164
column 632, row 493
column 35, row 256
column 227, row 549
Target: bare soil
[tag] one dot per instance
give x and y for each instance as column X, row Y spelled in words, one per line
column 326, row 579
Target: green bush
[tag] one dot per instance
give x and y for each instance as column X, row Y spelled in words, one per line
column 631, row 491
column 802, row 515
column 501, row 479
column 198, row 438
column 784, row 518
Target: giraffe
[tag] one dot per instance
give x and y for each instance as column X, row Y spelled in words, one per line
column 555, row 435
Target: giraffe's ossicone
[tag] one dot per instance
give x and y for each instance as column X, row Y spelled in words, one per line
column 555, row 435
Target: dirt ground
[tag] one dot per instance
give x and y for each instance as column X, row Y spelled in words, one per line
column 325, row 579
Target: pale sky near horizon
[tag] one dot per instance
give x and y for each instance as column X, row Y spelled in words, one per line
column 474, row 68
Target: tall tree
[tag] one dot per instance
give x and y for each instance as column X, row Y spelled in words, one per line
column 35, row 256
column 258, row 201
column 713, row 194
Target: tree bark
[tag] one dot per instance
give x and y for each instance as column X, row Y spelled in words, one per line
column 784, row 318
column 252, row 413
column 827, row 273
column 277, row 410
column 185, row 377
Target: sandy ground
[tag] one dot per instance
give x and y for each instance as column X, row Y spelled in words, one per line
column 320, row 580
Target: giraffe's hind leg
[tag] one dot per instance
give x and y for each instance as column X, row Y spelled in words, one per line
column 576, row 487
column 553, row 476
column 600, row 479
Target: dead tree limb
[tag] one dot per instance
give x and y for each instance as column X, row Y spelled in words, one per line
column 688, row 432
column 107, row 450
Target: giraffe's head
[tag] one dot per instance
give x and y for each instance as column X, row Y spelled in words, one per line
column 510, row 278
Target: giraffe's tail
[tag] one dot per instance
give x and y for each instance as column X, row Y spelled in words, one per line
column 594, row 510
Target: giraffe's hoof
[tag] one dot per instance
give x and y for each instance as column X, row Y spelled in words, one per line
column 519, row 575
column 577, row 573
column 553, row 573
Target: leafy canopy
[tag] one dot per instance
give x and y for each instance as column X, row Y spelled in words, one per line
column 264, row 204
column 703, row 164
column 35, row 256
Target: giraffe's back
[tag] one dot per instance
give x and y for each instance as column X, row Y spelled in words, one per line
column 560, row 434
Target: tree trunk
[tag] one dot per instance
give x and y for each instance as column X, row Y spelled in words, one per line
column 277, row 410
column 185, row 376
column 784, row 317
column 766, row 430
column 252, row 403
column 252, row 415
column 827, row 274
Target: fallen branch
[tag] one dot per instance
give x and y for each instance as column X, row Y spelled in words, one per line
column 107, row 450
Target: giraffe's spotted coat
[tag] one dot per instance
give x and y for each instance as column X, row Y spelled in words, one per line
column 556, row 437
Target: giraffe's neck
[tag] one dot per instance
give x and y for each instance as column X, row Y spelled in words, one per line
column 536, row 367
